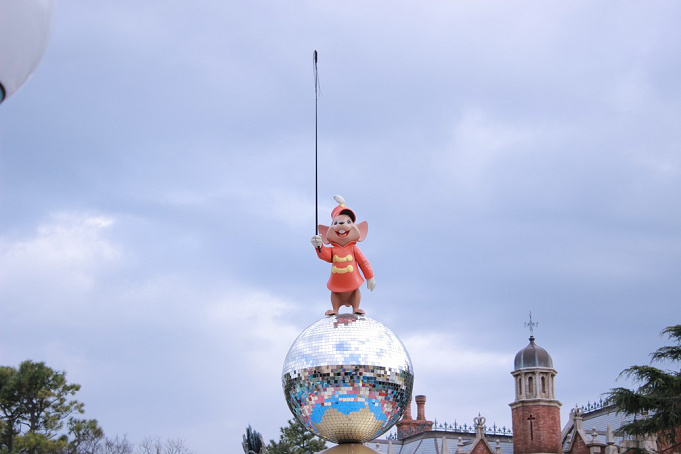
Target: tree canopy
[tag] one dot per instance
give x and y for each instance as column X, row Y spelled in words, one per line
column 35, row 403
column 295, row 439
column 38, row 416
column 656, row 405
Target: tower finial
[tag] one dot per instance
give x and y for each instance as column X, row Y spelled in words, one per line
column 531, row 325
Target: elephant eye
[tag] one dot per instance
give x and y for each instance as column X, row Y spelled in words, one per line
column 349, row 221
column 335, row 222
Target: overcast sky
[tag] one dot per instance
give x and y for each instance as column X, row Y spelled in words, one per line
column 157, row 198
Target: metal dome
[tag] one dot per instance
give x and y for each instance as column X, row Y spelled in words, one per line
column 532, row 356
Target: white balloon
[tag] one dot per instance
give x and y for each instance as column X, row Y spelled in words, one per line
column 24, row 32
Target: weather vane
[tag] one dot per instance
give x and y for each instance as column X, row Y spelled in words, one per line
column 531, row 325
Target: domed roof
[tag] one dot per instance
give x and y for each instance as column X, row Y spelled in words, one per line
column 532, row 356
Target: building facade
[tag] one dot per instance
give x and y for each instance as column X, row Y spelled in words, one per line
column 535, row 414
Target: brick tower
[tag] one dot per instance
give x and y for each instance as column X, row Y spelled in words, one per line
column 535, row 412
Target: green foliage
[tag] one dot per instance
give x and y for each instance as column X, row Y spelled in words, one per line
column 37, row 411
column 37, row 443
column 35, row 403
column 87, row 436
column 253, row 442
column 656, row 404
column 295, row 439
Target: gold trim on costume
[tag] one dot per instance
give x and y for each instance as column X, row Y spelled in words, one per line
column 347, row 269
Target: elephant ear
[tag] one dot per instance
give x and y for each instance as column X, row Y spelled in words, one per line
column 363, row 230
column 323, row 229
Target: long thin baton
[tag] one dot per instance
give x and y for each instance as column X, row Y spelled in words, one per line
column 316, row 190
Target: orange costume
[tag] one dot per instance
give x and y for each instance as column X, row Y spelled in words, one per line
column 345, row 276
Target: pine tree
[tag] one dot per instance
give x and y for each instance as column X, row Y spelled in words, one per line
column 295, row 439
column 656, row 405
column 35, row 403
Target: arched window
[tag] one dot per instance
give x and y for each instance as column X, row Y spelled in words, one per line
column 543, row 385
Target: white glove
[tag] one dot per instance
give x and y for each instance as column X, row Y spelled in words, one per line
column 371, row 284
column 316, row 241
